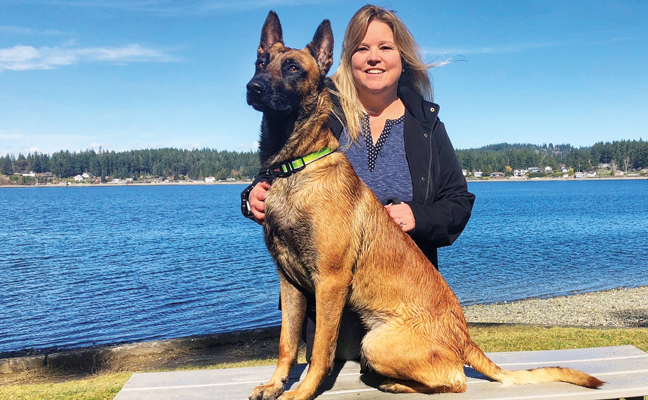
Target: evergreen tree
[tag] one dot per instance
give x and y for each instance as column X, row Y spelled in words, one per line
column 7, row 165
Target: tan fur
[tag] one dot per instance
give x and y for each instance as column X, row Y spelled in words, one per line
column 330, row 236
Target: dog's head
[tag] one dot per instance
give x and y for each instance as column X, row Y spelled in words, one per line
column 284, row 77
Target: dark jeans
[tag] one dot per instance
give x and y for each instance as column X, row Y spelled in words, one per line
column 349, row 338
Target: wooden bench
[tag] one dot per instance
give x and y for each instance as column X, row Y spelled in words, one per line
column 623, row 368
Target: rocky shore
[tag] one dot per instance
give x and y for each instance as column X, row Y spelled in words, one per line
column 616, row 308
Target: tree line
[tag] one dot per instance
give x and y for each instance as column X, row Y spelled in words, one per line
column 625, row 155
column 197, row 164
column 168, row 162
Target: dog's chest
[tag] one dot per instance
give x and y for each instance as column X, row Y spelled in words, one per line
column 288, row 232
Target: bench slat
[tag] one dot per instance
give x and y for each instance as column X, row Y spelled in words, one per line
column 623, row 368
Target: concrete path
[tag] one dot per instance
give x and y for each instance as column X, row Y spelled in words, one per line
column 623, row 368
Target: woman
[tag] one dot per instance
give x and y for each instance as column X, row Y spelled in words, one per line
column 394, row 140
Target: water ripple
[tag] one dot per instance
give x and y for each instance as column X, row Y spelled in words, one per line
column 97, row 265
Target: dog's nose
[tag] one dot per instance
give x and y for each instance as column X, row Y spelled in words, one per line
column 256, row 87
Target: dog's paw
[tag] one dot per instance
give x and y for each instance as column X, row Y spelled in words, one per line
column 266, row 392
column 392, row 386
column 294, row 395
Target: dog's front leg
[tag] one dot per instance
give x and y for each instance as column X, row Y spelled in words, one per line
column 330, row 298
column 293, row 310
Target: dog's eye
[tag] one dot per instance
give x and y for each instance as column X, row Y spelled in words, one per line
column 293, row 68
column 261, row 64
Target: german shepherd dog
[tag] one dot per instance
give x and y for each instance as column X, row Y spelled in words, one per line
column 330, row 236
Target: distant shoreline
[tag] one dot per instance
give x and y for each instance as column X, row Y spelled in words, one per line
column 247, row 182
column 133, row 184
column 570, row 179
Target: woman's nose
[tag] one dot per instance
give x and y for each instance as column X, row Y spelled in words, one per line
column 373, row 57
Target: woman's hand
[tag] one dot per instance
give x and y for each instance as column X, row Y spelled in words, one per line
column 402, row 216
column 257, row 201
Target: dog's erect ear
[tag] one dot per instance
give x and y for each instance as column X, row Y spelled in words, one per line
column 271, row 32
column 322, row 46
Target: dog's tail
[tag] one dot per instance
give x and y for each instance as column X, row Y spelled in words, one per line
column 476, row 358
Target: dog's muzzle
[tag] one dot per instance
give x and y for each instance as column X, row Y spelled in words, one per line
column 262, row 97
column 256, row 89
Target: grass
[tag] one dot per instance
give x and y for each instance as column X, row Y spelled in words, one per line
column 490, row 337
column 103, row 386
column 496, row 338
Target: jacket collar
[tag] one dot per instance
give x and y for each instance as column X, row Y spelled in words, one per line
column 423, row 111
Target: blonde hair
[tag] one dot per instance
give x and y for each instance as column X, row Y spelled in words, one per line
column 415, row 74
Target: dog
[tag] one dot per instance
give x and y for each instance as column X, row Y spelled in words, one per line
column 331, row 237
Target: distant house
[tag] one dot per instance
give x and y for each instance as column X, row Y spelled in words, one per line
column 548, row 170
column 79, row 178
column 210, row 179
column 478, row 174
column 519, row 173
column 31, row 173
column 464, row 172
column 497, row 175
column 85, row 175
column 534, row 170
column 591, row 175
column 579, row 175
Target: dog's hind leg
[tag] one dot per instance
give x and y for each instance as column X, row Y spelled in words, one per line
column 293, row 309
column 414, row 365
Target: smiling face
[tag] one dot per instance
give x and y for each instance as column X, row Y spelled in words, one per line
column 376, row 63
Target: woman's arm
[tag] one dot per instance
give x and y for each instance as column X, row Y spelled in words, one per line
column 440, row 222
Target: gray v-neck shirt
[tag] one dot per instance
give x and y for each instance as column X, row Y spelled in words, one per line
column 383, row 166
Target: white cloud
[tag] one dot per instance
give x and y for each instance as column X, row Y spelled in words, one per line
column 4, row 135
column 17, row 30
column 501, row 49
column 23, row 58
column 517, row 47
column 248, row 147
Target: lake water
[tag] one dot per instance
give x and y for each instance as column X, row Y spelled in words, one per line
column 97, row 265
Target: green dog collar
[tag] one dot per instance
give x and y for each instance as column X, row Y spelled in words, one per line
column 295, row 165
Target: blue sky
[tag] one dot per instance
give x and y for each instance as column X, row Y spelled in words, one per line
column 80, row 74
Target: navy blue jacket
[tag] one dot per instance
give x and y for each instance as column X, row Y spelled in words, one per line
column 440, row 201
